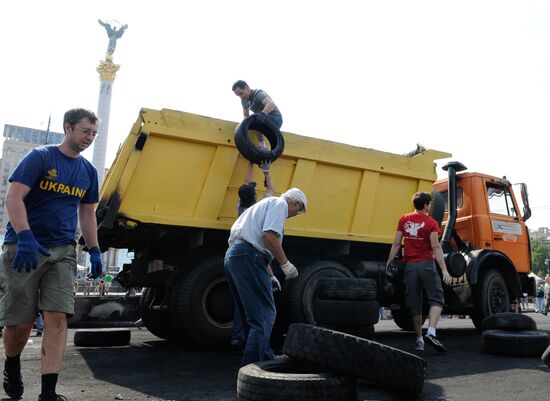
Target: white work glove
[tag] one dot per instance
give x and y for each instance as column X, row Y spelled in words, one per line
column 275, row 284
column 265, row 166
column 289, row 270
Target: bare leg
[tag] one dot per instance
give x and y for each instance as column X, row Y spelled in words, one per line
column 16, row 337
column 434, row 315
column 417, row 322
column 55, row 339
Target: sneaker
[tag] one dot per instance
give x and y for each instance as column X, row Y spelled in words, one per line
column 38, row 334
column 13, row 384
column 434, row 342
column 53, row 397
column 419, row 345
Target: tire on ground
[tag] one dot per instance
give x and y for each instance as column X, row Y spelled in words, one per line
column 284, row 380
column 356, row 356
column 345, row 312
column 249, row 150
column 300, row 292
column 546, row 357
column 102, row 337
column 202, row 304
column 363, row 289
column 508, row 321
column 366, row 332
column 515, row 343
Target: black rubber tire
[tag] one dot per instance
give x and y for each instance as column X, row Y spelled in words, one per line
column 202, row 304
column 300, row 292
column 403, row 319
column 515, row 343
column 546, row 357
column 366, row 332
column 359, row 289
column 508, row 321
column 437, row 207
column 368, row 269
column 102, row 337
column 492, row 297
column 249, row 150
column 345, row 312
column 157, row 322
column 356, row 357
column 288, row 379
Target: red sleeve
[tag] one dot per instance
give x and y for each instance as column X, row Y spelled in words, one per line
column 434, row 225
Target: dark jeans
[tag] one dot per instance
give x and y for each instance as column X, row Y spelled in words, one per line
column 277, row 120
column 246, row 271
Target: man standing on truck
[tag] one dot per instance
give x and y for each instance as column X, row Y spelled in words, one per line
column 50, row 188
column 260, row 103
column 255, row 240
column 420, row 234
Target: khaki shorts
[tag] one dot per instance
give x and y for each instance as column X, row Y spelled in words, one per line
column 47, row 288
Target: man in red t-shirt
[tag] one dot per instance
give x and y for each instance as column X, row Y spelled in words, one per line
column 419, row 232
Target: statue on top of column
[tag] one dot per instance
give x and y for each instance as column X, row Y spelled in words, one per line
column 113, row 33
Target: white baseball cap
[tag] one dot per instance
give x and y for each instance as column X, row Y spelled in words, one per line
column 297, row 195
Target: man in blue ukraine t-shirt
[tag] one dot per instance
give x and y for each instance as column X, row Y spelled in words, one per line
column 51, row 187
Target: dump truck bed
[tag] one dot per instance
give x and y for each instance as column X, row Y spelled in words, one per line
column 183, row 170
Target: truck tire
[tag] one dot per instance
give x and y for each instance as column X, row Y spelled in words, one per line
column 158, row 322
column 345, row 312
column 366, row 332
column 515, row 343
column 508, row 321
column 492, row 297
column 403, row 319
column 202, row 304
column 358, row 289
column 249, row 150
column 355, row 356
column 288, row 379
column 300, row 292
column 437, row 207
column 102, row 337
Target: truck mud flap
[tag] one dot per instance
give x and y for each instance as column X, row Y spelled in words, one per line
column 508, row 321
column 356, row 357
column 288, row 379
column 515, row 343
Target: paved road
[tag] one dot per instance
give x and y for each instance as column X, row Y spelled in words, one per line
column 151, row 369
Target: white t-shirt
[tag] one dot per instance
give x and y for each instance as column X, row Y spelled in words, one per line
column 269, row 214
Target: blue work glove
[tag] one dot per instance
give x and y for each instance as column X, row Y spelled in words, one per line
column 26, row 253
column 95, row 260
column 275, row 284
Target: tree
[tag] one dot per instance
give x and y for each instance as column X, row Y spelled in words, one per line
column 539, row 253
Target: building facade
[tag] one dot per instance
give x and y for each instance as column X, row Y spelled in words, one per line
column 18, row 141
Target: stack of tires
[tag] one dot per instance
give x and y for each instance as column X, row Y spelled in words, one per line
column 513, row 334
column 348, row 305
column 323, row 365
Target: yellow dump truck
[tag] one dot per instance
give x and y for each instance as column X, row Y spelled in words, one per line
column 171, row 194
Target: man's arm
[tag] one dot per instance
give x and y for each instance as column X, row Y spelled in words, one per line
column 248, row 176
column 15, row 206
column 269, row 105
column 439, row 257
column 88, row 224
column 396, row 246
column 246, row 112
column 273, row 243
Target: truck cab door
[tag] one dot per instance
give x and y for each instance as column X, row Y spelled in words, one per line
column 509, row 233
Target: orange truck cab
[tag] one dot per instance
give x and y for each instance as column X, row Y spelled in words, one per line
column 486, row 242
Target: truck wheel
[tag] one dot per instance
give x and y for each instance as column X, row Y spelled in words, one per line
column 492, row 297
column 299, row 292
column 364, row 289
column 345, row 312
column 202, row 304
column 289, row 379
column 355, row 356
column 508, row 321
column 157, row 321
column 248, row 148
column 515, row 343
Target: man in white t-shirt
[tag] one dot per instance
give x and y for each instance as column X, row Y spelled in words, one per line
column 255, row 240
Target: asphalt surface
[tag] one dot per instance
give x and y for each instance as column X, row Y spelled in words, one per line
column 152, row 369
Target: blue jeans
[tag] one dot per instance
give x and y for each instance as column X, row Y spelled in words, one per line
column 246, row 271
column 39, row 323
column 539, row 304
column 277, row 120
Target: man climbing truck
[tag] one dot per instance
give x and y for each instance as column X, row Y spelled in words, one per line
column 170, row 198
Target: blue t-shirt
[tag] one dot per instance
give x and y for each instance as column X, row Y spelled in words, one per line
column 58, row 185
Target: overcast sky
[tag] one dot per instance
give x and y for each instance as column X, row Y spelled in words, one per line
column 471, row 78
